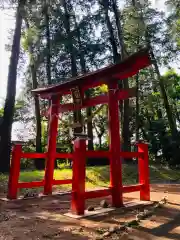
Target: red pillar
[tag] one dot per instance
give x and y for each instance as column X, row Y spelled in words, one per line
column 79, row 177
column 143, row 165
column 115, row 162
column 51, row 151
column 14, row 172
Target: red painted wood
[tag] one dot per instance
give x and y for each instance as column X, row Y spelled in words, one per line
column 61, row 182
column 132, row 188
column 51, row 153
column 143, row 167
column 98, row 193
column 131, row 154
column 98, row 154
column 102, row 99
column 31, row 184
column 33, row 155
column 126, row 93
column 14, row 172
column 125, row 69
column 79, row 175
column 64, row 155
column 114, row 133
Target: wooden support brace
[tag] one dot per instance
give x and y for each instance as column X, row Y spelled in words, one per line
column 143, row 166
column 132, row 188
column 98, row 193
column 31, row 184
column 14, row 172
column 101, row 99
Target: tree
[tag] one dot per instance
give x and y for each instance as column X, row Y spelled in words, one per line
column 29, row 38
column 173, row 20
column 88, row 92
column 124, row 54
column 6, row 125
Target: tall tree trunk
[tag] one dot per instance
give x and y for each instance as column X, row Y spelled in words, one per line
column 48, row 56
column 117, row 15
column 6, row 127
column 70, row 46
column 89, row 124
column 126, row 112
column 39, row 163
column 71, row 51
column 87, row 93
column 123, row 106
column 176, row 111
column 172, row 123
column 116, row 56
column 48, row 44
column 100, row 141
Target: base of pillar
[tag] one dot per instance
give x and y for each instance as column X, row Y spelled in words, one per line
column 97, row 211
column 103, row 211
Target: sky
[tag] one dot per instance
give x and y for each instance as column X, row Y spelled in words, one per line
column 7, row 23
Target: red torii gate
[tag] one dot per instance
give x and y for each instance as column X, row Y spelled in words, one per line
column 109, row 76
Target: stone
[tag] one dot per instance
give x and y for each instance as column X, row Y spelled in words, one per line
column 164, row 200
column 104, row 204
column 55, row 202
column 113, row 229
column 157, row 205
column 30, row 194
column 106, row 234
column 99, row 238
column 80, row 229
column 149, row 213
column 140, row 216
column 4, row 217
column 122, row 228
column 90, row 208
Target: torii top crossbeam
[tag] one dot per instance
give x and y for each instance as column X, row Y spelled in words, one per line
column 114, row 72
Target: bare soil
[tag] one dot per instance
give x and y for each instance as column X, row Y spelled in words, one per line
column 43, row 218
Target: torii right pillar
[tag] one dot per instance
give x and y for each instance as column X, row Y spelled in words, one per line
column 114, row 134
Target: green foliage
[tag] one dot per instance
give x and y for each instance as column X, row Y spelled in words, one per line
column 30, row 36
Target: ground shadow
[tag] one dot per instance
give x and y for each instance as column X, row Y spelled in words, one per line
column 164, row 229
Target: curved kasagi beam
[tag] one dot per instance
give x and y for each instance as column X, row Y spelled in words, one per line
column 114, row 72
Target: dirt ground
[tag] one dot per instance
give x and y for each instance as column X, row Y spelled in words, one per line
column 43, row 218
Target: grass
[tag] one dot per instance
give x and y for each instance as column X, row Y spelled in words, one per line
column 97, row 176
